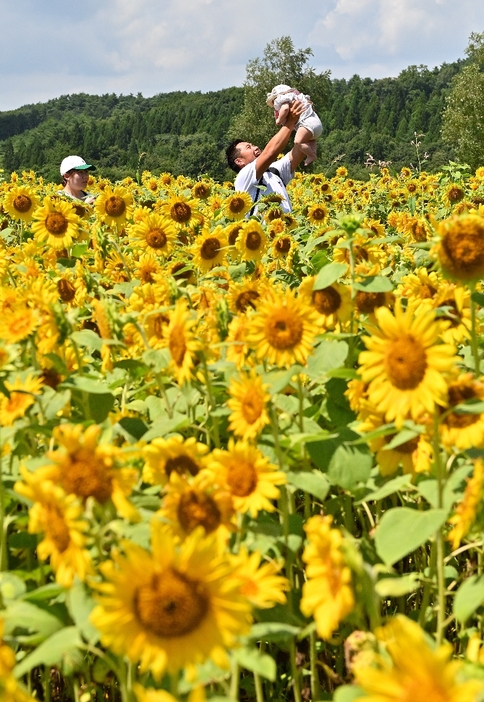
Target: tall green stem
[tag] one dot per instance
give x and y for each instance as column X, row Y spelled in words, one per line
column 440, row 470
column 474, row 341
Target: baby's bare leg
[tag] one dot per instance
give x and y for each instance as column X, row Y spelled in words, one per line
column 283, row 113
column 304, row 139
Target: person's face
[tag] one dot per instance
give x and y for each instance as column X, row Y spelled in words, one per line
column 77, row 179
column 247, row 153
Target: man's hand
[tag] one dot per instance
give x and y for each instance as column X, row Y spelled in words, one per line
column 295, row 111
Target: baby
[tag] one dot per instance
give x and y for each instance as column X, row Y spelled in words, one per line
column 308, row 127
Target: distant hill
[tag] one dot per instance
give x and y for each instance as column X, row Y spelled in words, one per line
column 185, row 132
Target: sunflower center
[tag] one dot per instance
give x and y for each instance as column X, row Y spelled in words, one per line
column 201, row 190
column 326, row 301
column 242, row 479
column 115, row 206
column 156, row 238
column 210, row 248
column 408, row 447
column 367, row 302
column 452, row 315
column 87, row 476
column 457, row 395
column 57, row 529
column 246, row 299
column 181, row 212
column 171, row 604
column 466, row 251
column 252, row 407
column 182, row 465
column 284, row 331
column 66, row 290
column 427, row 291
column 22, row 203
column 253, row 241
column 198, row 509
column 234, row 233
column 405, row 363
column 283, row 245
column 318, row 214
column 236, row 205
column 56, row 224
column 455, row 194
column 177, row 344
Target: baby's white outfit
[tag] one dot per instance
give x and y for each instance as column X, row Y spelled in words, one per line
column 284, row 94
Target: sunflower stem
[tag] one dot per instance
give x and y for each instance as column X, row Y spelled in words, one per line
column 313, row 658
column 3, row 526
column 474, row 341
column 211, row 399
column 235, row 681
column 259, row 690
column 295, row 673
column 439, row 536
column 283, row 507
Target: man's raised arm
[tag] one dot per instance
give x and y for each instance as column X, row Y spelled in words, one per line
column 279, row 141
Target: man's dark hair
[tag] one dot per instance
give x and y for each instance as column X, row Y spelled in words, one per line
column 232, row 152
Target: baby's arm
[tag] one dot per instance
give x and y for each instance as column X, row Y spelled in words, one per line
column 282, row 115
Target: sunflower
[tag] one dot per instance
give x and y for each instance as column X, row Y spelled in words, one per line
column 181, row 341
column 202, row 190
column 20, row 203
column 232, row 233
column 463, row 430
column 10, row 689
column 209, row 249
column 237, row 347
column 85, row 468
column 59, row 517
column 404, row 364
column 18, row 322
column 412, row 670
column 154, row 232
column 454, row 194
column 197, row 502
column 151, row 694
column 333, row 303
column 248, row 401
column 113, row 206
column 252, row 241
column 182, row 211
column 246, row 294
column 415, row 455
column 419, row 286
column 162, row 457
column 327, row 593
column 56, row 223
column 22, row 396
column 283, row 329
column 318, row 214
column 460, row 250
column 248, row 475
column 465, row 513
column 237, row 205
column 261, row 584
column 172, row 607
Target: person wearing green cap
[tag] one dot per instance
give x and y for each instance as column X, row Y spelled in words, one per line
column 75, row 174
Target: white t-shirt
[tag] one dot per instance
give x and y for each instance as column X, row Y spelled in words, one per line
column 247, row 181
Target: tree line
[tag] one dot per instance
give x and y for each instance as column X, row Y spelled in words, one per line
column 183, row 132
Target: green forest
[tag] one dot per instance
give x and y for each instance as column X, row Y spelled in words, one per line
column 183, row 132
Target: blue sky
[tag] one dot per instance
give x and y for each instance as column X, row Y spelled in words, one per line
column 53, row 48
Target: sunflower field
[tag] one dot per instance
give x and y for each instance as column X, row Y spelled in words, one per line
column 242, row 459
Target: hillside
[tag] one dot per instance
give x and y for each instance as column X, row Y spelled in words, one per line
column 185, row 132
